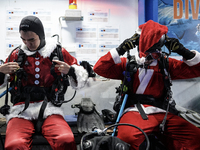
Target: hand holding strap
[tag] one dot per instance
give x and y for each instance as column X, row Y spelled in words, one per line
column 174, row 45
column 128, row 44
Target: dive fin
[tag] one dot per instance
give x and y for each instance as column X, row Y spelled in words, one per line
column 88, row 117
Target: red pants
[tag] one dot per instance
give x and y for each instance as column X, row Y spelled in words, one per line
column 55, row 129
column 179, row 134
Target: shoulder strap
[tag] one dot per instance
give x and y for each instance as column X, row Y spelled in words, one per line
column 56, row 55
column 131, row 69
column 4, row 109
column 59, row 52
column 21, row 57
column 168, row 100
column 164, row 68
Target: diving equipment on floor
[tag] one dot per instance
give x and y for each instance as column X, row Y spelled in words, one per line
column 100, row 140
column 189, row 115
column 88, row 117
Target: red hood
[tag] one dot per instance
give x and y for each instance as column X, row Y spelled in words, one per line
column 150, row 35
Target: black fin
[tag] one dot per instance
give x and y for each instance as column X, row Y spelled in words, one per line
column 88, row 117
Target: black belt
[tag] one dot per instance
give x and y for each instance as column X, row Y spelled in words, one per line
column 31, row 94
column 139, row 99
column 141, row 111
column 143, row 99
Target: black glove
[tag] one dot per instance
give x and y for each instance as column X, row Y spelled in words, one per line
column 89, row 69
column 128, row 44
column 174, row 45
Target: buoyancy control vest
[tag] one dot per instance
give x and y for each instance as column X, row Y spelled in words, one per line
column 166, row 102
column 55, row 93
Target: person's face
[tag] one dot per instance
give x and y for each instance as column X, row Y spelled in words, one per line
column 30, row 39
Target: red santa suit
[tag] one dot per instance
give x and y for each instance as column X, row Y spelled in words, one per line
column 179, row 134
column 55, row 129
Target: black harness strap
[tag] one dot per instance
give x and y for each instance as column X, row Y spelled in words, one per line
column 167, row 83
column 61, row 81
column 40, row 116
column 27, row 101
column 141, row 111
column 21, row 58
column 19, row 74
column 168, row 104
column 5, row 109
column 132, row 67
column 58, row 55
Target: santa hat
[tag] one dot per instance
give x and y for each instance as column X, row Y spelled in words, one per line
column 151, row 32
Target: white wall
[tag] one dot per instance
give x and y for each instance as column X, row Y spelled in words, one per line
column 123, row 13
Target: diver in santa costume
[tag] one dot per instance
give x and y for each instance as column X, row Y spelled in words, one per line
column 40, row 71
column 150, row 88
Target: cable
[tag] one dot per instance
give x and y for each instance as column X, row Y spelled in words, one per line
column 84, row 136
column 70, row 98
column 119, row 124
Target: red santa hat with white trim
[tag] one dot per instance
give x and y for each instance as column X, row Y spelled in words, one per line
column 151, row 33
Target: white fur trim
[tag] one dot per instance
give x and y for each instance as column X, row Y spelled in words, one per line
column 81, row 77
column 26, row 51
column 48, row 49
column 32, row 112
column 115, row 56
column 147, row 110
column 138, row 31
column 45, row 51
column 195, row 60
column 139, row 60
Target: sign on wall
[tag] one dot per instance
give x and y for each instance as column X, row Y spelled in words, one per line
column 182, row 19
column 13, row 18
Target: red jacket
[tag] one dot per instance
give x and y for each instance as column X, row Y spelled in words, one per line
column 37, row 66
column 150, row 81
